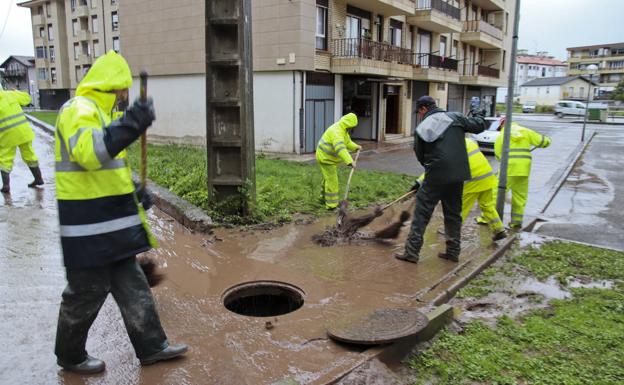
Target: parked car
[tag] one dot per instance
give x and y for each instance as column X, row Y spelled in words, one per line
column 569, row 107
column 529, row 107
column 486, row 139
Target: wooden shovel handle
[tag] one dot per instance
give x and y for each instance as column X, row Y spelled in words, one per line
column 357, row 155
column 143, row 97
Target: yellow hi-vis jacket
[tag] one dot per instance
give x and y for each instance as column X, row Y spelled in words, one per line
column 482, row 176
column 14, row 127
column 100, row 217
column 336, row 143
column 520, row 157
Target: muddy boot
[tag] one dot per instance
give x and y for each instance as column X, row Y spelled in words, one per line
column 36, row 171
column 450, row 257
column 5, row 182
column 90, row 365
column 166, row 354
column 407, row 257
column 502, row 234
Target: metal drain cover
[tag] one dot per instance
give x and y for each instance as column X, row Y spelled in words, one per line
column 377, row 327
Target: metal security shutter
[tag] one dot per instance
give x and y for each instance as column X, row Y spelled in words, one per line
column 455, row 97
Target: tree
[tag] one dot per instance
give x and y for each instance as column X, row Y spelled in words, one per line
column 618, row 93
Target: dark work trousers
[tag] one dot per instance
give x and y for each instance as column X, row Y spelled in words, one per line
column 85, row 294
column 427, row 198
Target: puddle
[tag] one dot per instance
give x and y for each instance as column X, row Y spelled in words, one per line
column 549, row 289
column 589, row 284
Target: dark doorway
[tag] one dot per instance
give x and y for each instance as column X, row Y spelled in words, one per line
column 392, row 108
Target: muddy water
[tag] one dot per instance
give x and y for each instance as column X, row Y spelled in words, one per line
column 226, row 348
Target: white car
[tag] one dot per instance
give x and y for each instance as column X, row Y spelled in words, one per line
column 486, row 139
column 569, row 107
column 529, row 107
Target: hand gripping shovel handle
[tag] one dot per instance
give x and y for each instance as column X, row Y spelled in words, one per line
column 357, row 155
column 397, row 200
column 143, row 97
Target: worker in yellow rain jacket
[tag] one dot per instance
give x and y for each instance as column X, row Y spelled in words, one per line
column 479, row 188
column 15, row 131
column 332, row 149
column 523, row 141
column 102, row 223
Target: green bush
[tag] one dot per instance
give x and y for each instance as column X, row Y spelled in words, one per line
column 544, row 109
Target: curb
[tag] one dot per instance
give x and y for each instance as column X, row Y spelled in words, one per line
column 41, row 124
column 187, row 214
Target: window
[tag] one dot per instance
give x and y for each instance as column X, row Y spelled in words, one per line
column 52, row 55
column 115, row 19
column 116, row 44
column 53, row 75
column 442, row 45
column 96, row 48
column 582, row 91
column 42, row 32
column 113, row 1
column 73, row 5
column 504, row 59
column 454, row 49
column 396, row 28
column 94, row 24
column 50, row 32
column 521, row 66
column 571, row 91
column 78, row 73
column 42, row 74
column 379, row 24
column 85, row 69
column 75, row 27
column 543, row 71
column 82, row 2
column 94, row 3
column 441, row 86
column 48, row 9
column 538, row 90
column 321, row 27
column 40, row 10
column 40, row 52
column 76, row 50
column 547, row 90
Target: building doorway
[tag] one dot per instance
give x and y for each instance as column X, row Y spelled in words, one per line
column 392, row 95
column 360, row 97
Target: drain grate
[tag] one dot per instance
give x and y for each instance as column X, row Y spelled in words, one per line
column 263, row 298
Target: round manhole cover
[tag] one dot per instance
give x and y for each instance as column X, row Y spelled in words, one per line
column 378, row 327
column 263, row 298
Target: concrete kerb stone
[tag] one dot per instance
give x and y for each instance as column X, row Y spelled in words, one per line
column 187, row 214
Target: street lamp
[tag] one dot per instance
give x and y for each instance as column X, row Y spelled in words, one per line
column 591, row 70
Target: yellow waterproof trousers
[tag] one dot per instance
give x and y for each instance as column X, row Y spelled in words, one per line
column 7, row 155
column 519, row 186
column 330, row 185
column 487, row 204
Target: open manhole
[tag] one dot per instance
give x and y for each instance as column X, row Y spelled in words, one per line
column 263, row 298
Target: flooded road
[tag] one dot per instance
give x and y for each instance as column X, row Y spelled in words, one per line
column 226, row 348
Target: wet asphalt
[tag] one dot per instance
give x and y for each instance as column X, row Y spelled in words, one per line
column 587, row 208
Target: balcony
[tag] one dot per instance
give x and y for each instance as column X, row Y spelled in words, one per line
column 490, row 5
column 435, row 68
column 482, row 35
column 14, row 72
column 386, row 7
column 83, row 35
column 478, row 75
column 81, row 11
column 365, row 56
column 437, row 16
column 38, row 20
column 83, row 60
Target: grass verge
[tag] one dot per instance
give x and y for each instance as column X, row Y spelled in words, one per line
column 283, row 188
column 574, row 341
column 46, row 116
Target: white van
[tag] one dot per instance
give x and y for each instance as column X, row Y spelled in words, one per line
column 569, row 107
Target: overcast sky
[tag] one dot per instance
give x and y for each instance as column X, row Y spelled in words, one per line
column 545, row 25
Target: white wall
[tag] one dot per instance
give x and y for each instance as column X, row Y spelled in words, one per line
column 180, row 104
column 544, row 95
column 277, row 99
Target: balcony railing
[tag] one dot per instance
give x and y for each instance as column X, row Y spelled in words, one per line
column 14, row 72
column 482, row 26
column 487, row 71
column 427, row 60
column 439, row 5
column 368, row 49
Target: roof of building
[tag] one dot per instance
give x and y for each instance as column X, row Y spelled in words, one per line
column 539, row 60
column 612, row 45
column 554, row 81
column 28, row 61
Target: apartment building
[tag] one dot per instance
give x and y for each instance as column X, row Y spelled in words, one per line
column 530, row 67
column 608, row 57
column 68, row 37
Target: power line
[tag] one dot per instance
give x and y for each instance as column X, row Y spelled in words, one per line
column 6, row 19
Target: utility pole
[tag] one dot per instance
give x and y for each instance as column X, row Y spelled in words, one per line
column 229, row 105
column 502, row 171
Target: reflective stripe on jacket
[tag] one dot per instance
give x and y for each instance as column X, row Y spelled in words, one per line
column 522, row 139
column 482, row 176
column 14, row 127
column 336, row 143
column 100, row 217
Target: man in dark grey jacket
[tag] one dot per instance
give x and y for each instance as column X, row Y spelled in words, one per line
column 440, row 147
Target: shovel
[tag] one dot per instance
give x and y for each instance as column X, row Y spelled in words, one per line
column 357, row 155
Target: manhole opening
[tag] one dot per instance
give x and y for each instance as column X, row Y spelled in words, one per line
column 263, row 298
